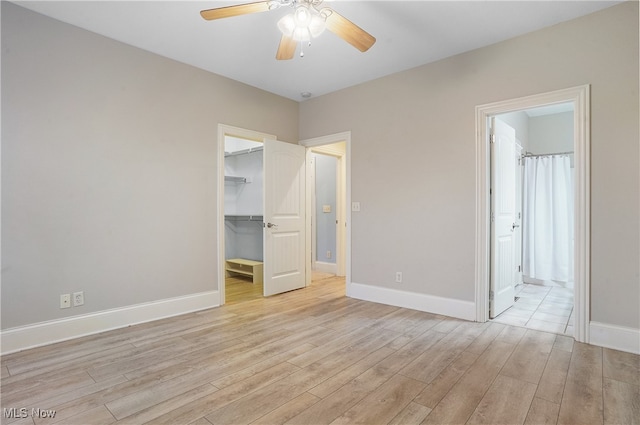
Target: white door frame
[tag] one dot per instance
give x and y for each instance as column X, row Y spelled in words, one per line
column 580, row 97
column 345, row 164
column 227, row 130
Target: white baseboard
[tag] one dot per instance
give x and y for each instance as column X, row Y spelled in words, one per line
column 323, row 267
column 16, row 339
column 44, row 333
column 617, row 337
column 429, row 303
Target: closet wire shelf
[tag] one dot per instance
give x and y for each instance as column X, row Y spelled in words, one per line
column 244, row 218
column 244, row 151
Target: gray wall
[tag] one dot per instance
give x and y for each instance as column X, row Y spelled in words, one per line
column 108, row 168
column 551, row 133
column 415, row 130
column 244, row 239
column 108, row 156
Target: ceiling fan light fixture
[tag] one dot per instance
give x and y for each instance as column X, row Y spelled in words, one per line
column 308, row 20
column 302, row 16
column 302, row 24
column 287, row 25
column 316, row 26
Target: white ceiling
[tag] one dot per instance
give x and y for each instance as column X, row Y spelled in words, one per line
column 409, row 34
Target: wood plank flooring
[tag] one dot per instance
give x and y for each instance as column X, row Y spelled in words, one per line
column 241, row 289
column 313, row 356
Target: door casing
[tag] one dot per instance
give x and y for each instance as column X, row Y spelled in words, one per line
column 580, row 97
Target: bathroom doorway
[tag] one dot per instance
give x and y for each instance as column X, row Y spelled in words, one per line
column 579, row 97
column 542, row 229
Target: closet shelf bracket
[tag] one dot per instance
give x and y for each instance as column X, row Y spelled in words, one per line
column 237, row 179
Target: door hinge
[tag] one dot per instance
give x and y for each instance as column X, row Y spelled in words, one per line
column 492, row 138
column 519, row 268
column 491, row 296
column 493, row 216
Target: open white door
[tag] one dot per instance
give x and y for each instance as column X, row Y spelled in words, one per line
column 503, row 208
column 284, row 217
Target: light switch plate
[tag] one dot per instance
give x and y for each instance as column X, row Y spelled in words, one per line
column 355, row 206
column 326, row 208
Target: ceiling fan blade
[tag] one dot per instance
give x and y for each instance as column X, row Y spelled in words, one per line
column 229, row 11
column 349, row 32
column 286, row 49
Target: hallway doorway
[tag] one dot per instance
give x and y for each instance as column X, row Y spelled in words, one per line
column 333, row 258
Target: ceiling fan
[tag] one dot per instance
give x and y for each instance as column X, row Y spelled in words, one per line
column 308, row 20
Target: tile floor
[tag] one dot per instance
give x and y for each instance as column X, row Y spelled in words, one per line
column 547, row 307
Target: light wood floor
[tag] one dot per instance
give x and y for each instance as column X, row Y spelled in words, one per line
column 314, row 356
column 241, row 289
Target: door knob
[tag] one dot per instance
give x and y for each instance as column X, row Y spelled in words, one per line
column 270, row 225
column 513, row 226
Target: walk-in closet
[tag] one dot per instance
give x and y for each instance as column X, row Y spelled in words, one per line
column 243, row 204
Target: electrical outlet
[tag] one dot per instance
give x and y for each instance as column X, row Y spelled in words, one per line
column 355, row 206
column 65, row 301
column 398, row 277
column 78, row 298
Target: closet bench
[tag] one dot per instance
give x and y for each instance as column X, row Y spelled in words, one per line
column 244, row 267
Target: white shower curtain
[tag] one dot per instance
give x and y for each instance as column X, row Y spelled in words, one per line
column 548, row 218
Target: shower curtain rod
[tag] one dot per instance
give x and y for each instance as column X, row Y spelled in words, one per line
column 529, row 154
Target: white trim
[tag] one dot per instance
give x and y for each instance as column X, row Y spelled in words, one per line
column 330, row 139
column 44, row 333
column 580, row 98
column 227, row 130
column 432, row 304
column 324, row 267
column 310, row 220
column 616, row 337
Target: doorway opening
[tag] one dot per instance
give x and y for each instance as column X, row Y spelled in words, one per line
column 578, row 97
column 541, row 283
column 240, row 235
column 328, row 195
column 243, row 218
column 284, row 231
